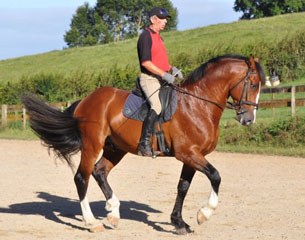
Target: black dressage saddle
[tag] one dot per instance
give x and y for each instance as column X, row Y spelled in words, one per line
column 136, row 106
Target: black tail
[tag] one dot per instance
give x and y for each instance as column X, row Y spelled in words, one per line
column 58, row 130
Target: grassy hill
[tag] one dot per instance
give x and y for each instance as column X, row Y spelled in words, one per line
column 236, row 35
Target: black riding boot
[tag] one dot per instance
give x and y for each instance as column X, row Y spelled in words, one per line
column 144, row 147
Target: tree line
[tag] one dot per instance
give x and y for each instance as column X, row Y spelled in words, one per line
column 267, row 8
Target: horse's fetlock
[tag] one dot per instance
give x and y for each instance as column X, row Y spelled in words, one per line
column 113, row 204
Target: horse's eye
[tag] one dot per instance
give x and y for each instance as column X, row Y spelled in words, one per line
column 253, row 86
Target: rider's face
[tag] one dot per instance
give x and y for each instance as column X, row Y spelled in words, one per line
column 158, row 24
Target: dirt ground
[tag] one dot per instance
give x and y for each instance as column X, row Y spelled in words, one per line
column 261, row 197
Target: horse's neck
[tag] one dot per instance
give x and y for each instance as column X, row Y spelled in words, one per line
column 214, row 90
column 208, row 96
column 203, row 101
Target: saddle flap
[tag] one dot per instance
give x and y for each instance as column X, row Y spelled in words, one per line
column 136, row 107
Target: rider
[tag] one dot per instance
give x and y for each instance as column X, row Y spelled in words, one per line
column 155, row 67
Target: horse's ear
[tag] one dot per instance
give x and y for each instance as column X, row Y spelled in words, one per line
column 252, row 62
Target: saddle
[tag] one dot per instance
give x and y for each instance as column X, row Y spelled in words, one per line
column 136, row 107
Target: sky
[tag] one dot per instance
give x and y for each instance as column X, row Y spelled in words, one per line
column 38, row 26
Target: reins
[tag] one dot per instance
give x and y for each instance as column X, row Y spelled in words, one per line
column 181, row 90
column 229, row 105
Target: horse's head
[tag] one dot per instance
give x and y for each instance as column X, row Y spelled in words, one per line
column 245, row 92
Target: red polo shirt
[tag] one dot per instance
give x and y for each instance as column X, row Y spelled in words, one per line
column 151, row 48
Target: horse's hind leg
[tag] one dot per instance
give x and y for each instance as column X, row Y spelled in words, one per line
column 110, row 158
column 186, row 177
column 89, row 155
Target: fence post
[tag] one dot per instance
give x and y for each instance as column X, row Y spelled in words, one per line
column 293, row 101
column 3, row 115
column 273, row 110
column 23, row 118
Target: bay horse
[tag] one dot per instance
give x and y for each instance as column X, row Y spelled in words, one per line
column 96, row 127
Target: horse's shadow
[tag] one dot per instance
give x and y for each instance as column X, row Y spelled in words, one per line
column 55, row 206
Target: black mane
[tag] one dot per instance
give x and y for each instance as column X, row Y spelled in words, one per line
column 198, row 73
column 261, row 73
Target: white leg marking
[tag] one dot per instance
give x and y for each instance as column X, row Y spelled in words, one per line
column 213, row 200
column 257, row 98
column 207, row 211
column 113, row 206
column 88, row 217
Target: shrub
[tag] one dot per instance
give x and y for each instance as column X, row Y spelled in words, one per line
column 9, row 93
column 288, row 57
column 281, row 133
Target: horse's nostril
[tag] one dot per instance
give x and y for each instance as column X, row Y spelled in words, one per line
column 249, row 122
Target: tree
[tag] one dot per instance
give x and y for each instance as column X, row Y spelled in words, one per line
column 265, row 8
column 87, row 28
column 125, row 18
column 113, row 20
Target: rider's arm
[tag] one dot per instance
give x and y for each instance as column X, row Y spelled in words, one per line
column 153, row 68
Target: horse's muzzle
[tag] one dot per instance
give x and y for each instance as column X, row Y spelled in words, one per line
column 245, row 117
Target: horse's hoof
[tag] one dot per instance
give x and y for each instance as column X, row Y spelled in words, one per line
column 97, row 228
column 181, row 231
column 204, row 214
column 114, row 221
column 184, row 231
column 155, row 154
column 200, row 218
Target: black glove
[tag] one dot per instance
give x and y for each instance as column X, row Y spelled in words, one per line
column 168, row 77
column 177, row 73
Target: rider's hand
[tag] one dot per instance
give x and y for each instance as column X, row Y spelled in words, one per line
column 168, row 77
column 177, row 73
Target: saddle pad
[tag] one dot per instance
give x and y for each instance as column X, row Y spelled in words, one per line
column 137, row 108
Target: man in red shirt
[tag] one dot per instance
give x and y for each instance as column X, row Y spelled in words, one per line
column 154, row 68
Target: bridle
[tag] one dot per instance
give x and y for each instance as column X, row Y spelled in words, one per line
column 236, row 105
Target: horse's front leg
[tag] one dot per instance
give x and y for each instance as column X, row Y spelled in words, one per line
column 199, row 163
column 186, row 177
column 207, row 210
